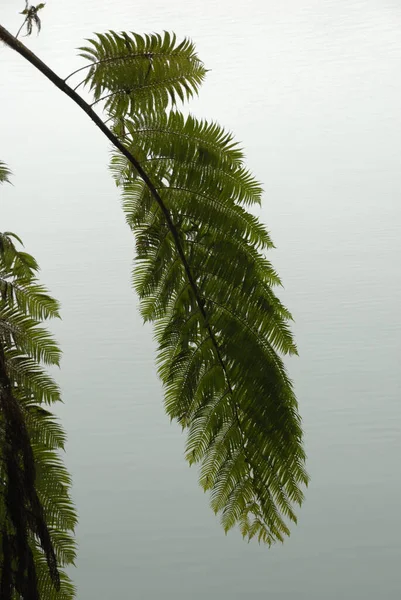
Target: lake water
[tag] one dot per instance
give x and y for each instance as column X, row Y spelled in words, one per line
column 313, row 90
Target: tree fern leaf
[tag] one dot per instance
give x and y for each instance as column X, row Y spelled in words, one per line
column 138, row 74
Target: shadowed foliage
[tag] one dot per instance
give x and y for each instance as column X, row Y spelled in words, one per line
column 37, row 518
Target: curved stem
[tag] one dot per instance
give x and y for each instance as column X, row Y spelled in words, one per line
column 110, row 59
column 78, row 71
column 79, row 84
column 20, row 29
column 103, row 98
column 109, row 119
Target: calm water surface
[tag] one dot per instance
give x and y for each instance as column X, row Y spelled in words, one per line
column 313, row 90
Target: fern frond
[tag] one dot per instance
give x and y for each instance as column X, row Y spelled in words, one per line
column 23, row 332
column 15, row 263
column 188, row 151
column 35, row 504
column 4, row 173
column 43, row 427
column 30, row 298
column 221, row 338
column 204, row 280
column 140, row 74
column 31, row 379
column 45, row 587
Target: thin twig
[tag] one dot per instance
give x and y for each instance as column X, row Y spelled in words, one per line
column 104, row 98
column 20, row 29
column 79, row 84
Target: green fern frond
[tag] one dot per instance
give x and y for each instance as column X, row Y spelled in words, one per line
column 222, row 335
column 203, row 278
column 36, row 483
column 45, row 586
column 207, row 142
column 30, row 377
column 18, row 285
column 43, row 427
column 190, row 154
column 30, row 297
column 140, row 74
column 4, row 173
column 23, row 331
column 15, row 263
